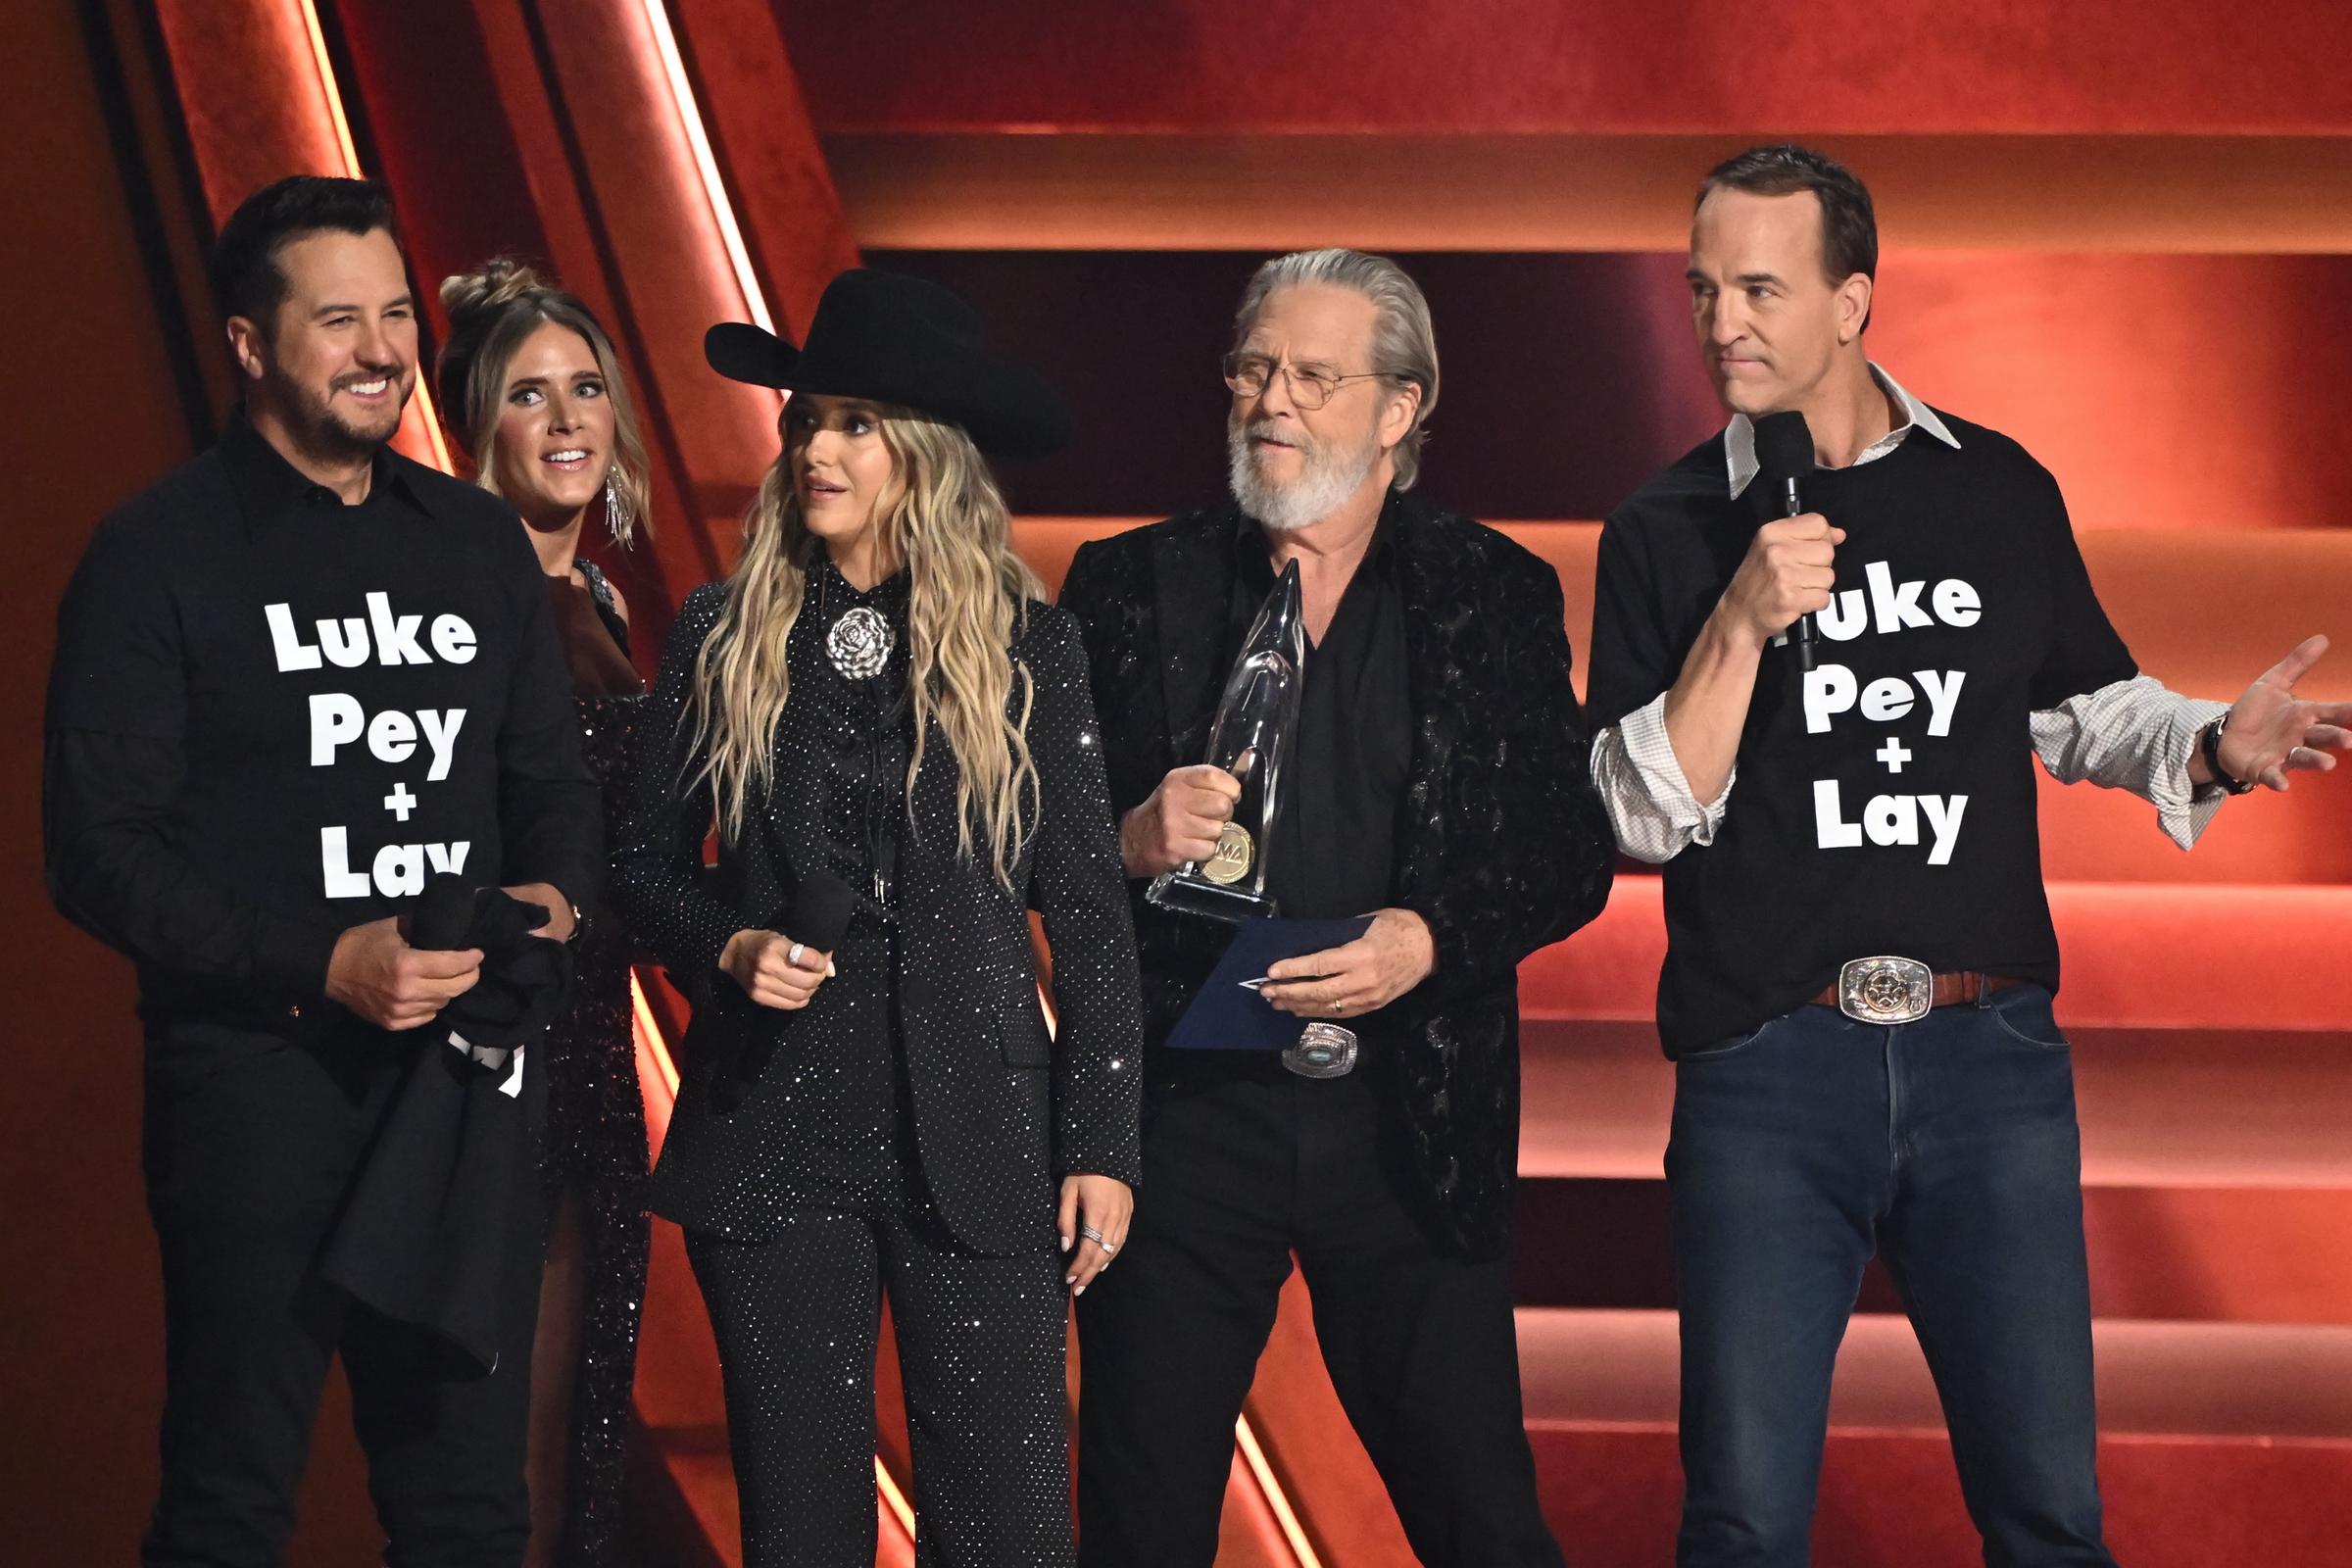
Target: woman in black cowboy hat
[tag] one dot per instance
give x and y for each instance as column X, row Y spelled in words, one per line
column 896, row 740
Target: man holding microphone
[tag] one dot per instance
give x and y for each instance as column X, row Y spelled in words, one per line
column 1860, row 961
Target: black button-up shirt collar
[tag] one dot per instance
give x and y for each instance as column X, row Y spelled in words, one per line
column 270, row 488
column 153, row 705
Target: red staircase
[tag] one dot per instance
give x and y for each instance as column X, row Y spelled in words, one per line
column 2096, row 242
column 2218, row 1202
column 2214, row 1084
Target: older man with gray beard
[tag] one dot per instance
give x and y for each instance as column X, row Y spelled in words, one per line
column 1436, row 783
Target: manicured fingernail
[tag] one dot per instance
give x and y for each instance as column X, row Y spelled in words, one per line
column 1069, row 1279
column 1080, row 1291
column 1065, row 1244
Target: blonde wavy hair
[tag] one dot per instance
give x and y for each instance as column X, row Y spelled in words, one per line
column 492, row 310
column 968, row 599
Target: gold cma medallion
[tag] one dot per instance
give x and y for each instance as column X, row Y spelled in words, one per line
column 1235, row 852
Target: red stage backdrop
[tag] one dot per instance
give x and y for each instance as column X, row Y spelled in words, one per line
column 2118, row 231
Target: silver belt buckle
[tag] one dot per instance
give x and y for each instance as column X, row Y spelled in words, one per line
column 1323, row 1050
column 1885, row 990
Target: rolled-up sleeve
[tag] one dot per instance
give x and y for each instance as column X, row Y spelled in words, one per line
column 1650, row 804
column 2134, row 735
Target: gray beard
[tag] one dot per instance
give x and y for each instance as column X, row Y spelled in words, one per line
column 1329, row 480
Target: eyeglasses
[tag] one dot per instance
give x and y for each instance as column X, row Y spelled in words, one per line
column 1311, row 385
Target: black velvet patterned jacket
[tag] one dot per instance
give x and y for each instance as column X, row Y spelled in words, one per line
column 1504, row 847
column 1002, row 1111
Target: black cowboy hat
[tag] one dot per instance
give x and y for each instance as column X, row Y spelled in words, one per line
column 898, row 339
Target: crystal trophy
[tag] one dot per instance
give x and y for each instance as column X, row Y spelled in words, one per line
column 1251, row 740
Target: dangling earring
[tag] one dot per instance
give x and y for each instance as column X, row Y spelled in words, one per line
column 616, row 511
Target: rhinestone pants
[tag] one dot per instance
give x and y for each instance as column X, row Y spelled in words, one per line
column 981, row 1354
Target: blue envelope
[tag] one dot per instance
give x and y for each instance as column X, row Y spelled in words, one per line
column 1229, row 1016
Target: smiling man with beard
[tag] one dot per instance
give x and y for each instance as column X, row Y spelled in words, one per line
column 1437, row 782
column 293, row 678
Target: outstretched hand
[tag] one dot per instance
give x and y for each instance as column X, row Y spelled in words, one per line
column 2272, row 732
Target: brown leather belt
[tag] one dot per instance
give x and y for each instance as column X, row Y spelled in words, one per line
column 1947, row 989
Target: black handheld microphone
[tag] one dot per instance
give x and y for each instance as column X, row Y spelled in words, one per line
column 452, row 913
column 1784, row 457
column 442, row 915
column 818, row 919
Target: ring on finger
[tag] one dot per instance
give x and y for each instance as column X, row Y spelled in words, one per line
column 1093, row 1235
column 792, row 954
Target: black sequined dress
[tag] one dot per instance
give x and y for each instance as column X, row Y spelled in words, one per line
column 596, row 1146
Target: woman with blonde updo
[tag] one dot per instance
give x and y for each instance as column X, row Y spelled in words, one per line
column 534, row 396
column 897, row 745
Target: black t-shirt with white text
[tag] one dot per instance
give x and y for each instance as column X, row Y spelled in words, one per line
column 1884, row 804
column 273, row 716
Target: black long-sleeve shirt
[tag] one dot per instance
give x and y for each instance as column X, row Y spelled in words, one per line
column 272, row 716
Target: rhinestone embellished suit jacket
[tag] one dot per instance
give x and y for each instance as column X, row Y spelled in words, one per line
column 1001, row 1109
column 1503, row 847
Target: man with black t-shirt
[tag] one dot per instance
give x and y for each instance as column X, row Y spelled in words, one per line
column 293, row 680
column 1860, row 957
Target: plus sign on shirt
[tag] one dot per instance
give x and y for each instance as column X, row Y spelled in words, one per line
column 273, row 716
column 1891, row 787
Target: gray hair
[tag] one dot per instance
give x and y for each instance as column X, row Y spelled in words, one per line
column 1404, row 343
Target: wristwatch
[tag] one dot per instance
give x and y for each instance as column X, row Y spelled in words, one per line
column 2209, row 741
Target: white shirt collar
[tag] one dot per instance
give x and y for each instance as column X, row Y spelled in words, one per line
column 1739, row 436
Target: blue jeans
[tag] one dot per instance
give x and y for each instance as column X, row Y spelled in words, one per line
column 1949, row 1147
